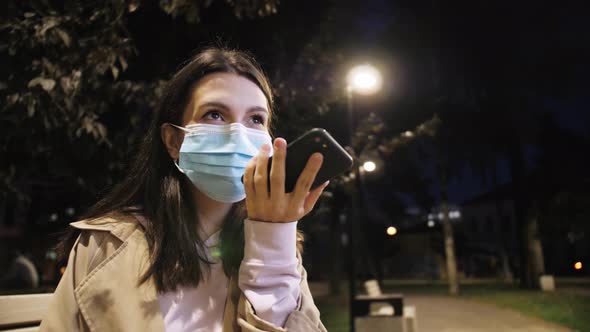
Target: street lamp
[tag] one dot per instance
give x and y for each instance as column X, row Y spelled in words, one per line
column 369, row 166
column 391, row 230
column 365, row 80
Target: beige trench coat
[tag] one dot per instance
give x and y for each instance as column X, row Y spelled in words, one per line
column 99, row 289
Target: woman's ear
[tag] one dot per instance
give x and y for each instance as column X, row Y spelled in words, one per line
column 172, row 139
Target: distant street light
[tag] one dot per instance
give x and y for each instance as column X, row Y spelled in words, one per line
column 391, row 231
column 369, row 166
column 70, row 211
column 578, row 266
column 454, row 214
column 364, row 79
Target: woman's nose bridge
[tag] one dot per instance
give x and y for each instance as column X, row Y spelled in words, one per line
column 237, row 116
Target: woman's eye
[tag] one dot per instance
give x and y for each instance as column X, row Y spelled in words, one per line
column 258, row 119
column 213, row 115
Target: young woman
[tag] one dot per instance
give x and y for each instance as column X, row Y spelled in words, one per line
column 182, row 244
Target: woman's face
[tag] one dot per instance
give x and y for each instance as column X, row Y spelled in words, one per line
column 224, row 98
column 220, row 98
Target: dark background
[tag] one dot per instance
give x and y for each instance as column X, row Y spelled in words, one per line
column 505, row 82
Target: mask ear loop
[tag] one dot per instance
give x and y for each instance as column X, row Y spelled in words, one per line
column 179, row 127
column 177, row 161
column 178, row 167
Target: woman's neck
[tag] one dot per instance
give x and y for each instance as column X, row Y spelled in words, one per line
column 211, row 214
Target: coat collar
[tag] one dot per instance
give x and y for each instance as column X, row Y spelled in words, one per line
column 121, row 225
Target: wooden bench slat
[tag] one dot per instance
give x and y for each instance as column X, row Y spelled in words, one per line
column 22, row 310
column 24, row 329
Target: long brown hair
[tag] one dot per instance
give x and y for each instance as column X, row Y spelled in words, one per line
column 164, row 195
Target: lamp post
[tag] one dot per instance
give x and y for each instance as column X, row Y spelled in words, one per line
column 364, row 80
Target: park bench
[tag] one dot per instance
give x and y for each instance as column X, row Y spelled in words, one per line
column 376, row 311
column 22, row 313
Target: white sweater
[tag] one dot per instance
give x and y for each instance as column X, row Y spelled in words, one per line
column 268, row 278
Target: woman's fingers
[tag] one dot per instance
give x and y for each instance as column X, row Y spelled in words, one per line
column 277, row 169
column 249, row 183
column 313, row 197
column 307, row 176
column 278, row 206
column 261, row 172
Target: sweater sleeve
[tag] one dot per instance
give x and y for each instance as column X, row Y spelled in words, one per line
column 269, row 277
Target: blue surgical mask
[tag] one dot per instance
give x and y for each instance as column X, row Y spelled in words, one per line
column 214, row 157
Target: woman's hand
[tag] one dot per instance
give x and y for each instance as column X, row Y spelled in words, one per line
column 276, row 205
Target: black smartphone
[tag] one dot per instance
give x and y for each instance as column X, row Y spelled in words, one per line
column 336, row 159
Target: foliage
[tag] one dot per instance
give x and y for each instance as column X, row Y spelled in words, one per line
column 191, row 10
column 68, row 90
column 69, row 112
column 400, row 153
column 62, row 79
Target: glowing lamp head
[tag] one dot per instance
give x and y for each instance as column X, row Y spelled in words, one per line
column 369, row 166
column 391, row 231
column 578, row 266
column 364, row 79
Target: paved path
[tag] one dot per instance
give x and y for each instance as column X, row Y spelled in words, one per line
column 444, row 314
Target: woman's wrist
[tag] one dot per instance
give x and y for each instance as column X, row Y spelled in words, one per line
column 270, row 242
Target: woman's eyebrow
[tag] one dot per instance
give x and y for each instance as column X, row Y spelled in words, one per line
column 214, row 104
column 224, row 107
column 257, row 109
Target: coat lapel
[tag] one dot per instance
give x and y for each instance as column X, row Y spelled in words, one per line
column 112, row 291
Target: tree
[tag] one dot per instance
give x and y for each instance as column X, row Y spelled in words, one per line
column 488, row 69
column 71, row 112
